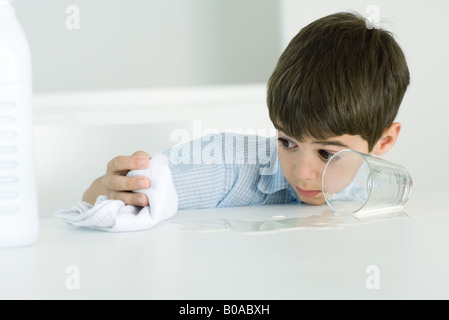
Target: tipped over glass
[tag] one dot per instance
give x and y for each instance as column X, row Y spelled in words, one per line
column 356, row 183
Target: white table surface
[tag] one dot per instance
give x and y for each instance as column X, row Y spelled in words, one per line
column 236, row 253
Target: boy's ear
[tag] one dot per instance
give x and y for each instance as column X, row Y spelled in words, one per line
column 388, row 139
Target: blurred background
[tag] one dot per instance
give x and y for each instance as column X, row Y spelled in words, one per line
column 151, row 43
column 170, row 47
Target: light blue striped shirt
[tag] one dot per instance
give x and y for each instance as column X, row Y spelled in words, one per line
column 228, row 170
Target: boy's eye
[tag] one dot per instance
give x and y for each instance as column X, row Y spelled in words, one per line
column 286, row 143
column 325, row 155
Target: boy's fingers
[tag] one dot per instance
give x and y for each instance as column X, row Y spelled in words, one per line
column 141, row 154
column 126, row 163
column 142, row 158
column 131, row 198
column 123, row 183
column 120, row 163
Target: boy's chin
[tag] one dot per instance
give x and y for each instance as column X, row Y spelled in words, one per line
column 313, row 201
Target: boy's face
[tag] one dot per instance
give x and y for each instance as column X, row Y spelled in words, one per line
column 303, row 162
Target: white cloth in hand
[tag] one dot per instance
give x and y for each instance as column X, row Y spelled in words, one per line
column 116, row 216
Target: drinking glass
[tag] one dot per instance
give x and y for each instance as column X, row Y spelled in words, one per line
column 355, row 182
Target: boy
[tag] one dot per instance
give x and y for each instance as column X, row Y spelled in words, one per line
column 338, row 85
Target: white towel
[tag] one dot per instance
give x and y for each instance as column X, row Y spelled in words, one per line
column 116, row 216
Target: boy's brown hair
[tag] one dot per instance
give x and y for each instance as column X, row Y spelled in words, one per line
column 338, row 77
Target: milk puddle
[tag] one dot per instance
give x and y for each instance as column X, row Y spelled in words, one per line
column 326, row 220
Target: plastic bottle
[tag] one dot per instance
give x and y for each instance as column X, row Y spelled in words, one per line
column 19, row 221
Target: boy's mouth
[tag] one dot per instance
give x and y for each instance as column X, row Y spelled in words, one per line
column 308, row 193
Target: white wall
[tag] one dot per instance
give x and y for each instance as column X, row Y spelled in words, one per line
column 422, row 31
column 150, row 43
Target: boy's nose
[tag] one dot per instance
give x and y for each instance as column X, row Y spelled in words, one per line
column 306, row 169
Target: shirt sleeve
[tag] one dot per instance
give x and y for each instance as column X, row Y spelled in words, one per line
column 227, row 170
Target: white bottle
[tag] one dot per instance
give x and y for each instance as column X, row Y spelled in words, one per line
column 18, row 196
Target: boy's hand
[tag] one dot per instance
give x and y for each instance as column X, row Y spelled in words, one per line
column 119, row 186
column 116, row 185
